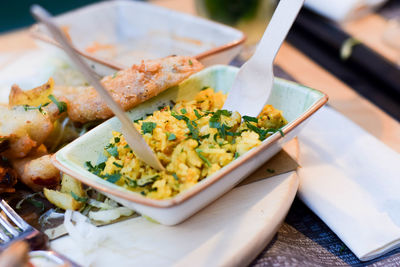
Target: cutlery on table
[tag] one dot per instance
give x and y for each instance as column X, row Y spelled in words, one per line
column 21, row 230
column 131, row 134
column 245, row 95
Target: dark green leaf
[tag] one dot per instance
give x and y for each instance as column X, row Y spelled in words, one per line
column 203, row 158
column 148, row 127
column 113, row 151
column 113, row 178
column 147, row 180
column 78, row 198
column 171, row 136
column 196, row 112
column 250, row 119
column 118, row 165
column 130, row 183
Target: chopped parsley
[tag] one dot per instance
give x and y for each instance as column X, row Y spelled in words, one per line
column 201, row 156
column 193, row 131
column 146, row 180
column 39, row 108
column 171, row 136
column 196, row 112
column 175, row 176
column 204, row 88
column 113, row 151
column 117, row 165
column 190, row 62
column 183, row 111
column 261, row 132
column 113, row 178
column 148, row 127
column 250, row 119
column 95, row 169
column 78, row 198
column 61, row 105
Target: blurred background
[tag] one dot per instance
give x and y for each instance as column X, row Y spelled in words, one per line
column 16, row 14
column 363, row 53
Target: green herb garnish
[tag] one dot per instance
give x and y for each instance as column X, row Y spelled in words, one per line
column 250, row 119
column 183, row 111
column 196, row 112
column 61, row 105
column 175, row 176
column 190, row 62
column 113, row 151
column 39, row 108
column 117, row 165
column 193, row 131
column 199, row 151
column 78, row 198
column 147, row 180
column 95, row 169
column 148, row 127
column 113, row 178
column 261, row 132
column 171, row 136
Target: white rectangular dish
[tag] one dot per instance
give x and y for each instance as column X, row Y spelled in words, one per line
column 122, row 33
column 296, row 101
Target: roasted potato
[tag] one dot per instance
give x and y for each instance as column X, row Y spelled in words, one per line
column 35, row 97
column 62, row 200
column 70, row 184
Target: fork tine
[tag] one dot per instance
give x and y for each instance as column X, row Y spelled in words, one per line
column 8, row 226
column 13, row 215
column 3, row 236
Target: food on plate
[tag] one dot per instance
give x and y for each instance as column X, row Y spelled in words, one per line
column 36, row 169
column 70, row 197
column 37, row 122
column 28, row 120
column 8, row 176
column 193, row 139
column 128, row 87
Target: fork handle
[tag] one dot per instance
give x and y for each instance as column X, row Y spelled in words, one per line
column 277, row 29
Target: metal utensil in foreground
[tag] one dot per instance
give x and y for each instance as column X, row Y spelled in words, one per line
column 132, row 136
column 245, row 95
column 23, row 231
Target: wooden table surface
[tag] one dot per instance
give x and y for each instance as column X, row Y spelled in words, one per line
column 341, row 97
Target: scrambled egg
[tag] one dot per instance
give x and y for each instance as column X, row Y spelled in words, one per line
column 193, row 139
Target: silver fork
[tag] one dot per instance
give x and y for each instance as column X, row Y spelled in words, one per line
column 21, row 230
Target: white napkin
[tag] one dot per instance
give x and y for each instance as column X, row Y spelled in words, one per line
column 340, row 10
column 352, row 182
